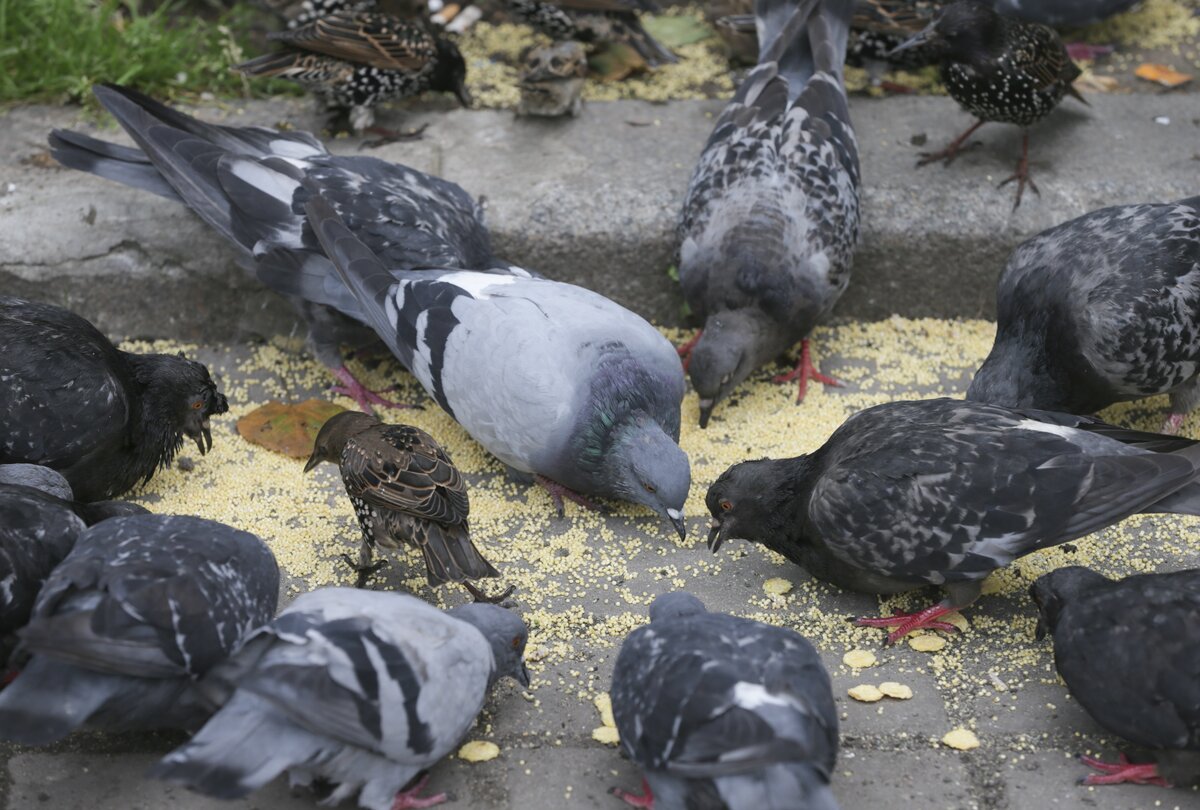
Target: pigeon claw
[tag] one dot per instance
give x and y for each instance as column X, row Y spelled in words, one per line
column 804, row 371
column 906, row 623
column 558, row 492
column 1115, row 773
column 387, row 136
column 412, row 800
column 645, row 799
column 366, row 399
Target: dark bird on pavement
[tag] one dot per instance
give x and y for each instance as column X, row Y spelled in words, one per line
column 356, row 61
column 552, row 80
column 723, row 712
column 998, row 69
column 140, row 608
column 943, row 492
column 1129, row 651
column 558, row 382
column 359, row 689
column 106, row 419
column 1098, row 310
column 1065, row 13
column 405, row 491
column 245, row 183
column 771, row 216
column 594, row 22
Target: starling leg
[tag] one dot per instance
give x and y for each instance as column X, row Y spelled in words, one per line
column 951, row 151
column 645, row 799
column 685, row 351
column 479, row 596
column 351, row 387
column 412, row 800
column 387, row 136
column 364, row 567
column 804, row 371
column 558, row 492
column 1022, row 173
column 923, row 619
column 1122, row 771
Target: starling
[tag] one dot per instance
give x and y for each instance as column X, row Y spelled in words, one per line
column 355, row 61
column 594, row 21
column 1102, row 309
column 299, row 13
column 1127, row 651
column 997, row 69
column 405, row 490
column 944, row 492
column 552, row 80
column 106, row 419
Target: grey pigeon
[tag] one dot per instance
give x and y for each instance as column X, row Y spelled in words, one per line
column 943, row 492
column 140, row 608
column 361, row 689
column 770, row 220
column 1129, row 651
column 554, row 380
column 244, row 182
column 106, row 419
column 1100, row 309
column 1067, row 13
column 724, row 712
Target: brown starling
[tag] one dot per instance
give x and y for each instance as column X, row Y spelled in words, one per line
column 552, row 80
column 594, row 21
column 405, row 489
column 355, row 61
column 998, row 69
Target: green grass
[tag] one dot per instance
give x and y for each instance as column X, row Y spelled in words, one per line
column 55, row 50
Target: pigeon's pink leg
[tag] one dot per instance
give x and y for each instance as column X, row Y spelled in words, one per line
column 804, row 371
column 1114, row 773
column 1172, row 424
column 409, row 800
column 923, row 619
column 558, row 492
column 645, row 799
column 351, row 387
column 685, row 351
column 1081, row 50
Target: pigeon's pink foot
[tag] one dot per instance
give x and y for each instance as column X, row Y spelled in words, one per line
column 1114, row 773
column 644, row 799
column 1081, row 50
column 410, row 800
column 1172, row 424
column 896, row 89
column 351, row 387
column 804, row 371
column 685, row 351
column 558, row 492
column 907, row 622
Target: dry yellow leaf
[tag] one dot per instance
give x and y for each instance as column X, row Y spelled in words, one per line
column 926, row 643
column 604, row 706
column 479, row 751
column 895, row 690
column 958, row 620
column 777, row 586
column 865, row 693
column 1161, row 74
column 607, row 735
column 859, row 659
column 961, row 738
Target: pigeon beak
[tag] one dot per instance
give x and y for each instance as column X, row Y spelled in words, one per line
column 924, row 37
column 313, row 461
column 718, row 531
column 676, row 517
column 464, row 97
column 206, row 434
column 523, row 677
column 706, row 408
column 1040, row 632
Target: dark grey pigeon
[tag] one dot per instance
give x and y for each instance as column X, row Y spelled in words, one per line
column 106, row 419
column 554, row 380
column 943, row 492
column 724, row 712
column 1129, row 651
column 361, row 689
column 1066, row 13
column 771, row 217
column 140, row 608
column 245, row 183
column 1098, row 310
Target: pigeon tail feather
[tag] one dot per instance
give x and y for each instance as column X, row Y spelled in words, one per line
column 50, row 699
column 804, row 37
column 121, row 164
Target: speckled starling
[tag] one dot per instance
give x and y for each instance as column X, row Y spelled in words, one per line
column 998, row 69
column 594, row 21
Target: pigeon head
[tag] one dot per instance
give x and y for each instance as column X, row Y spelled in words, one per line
column 675, row 606
column 506, row 634
column 450, row 72
column 1019, row 374
column 178, row 398
column 1051, row 593
column 734, row 343
column 747, row 501
column 960, row 30
column 35, row 476
column 646, row 466
column 337, row 430
column 93, row 513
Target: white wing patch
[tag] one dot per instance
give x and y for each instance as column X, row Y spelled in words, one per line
column 279, row 186
column 1042, row 427
column 477, row 284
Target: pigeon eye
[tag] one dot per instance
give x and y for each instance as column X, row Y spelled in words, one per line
column 651, row 488
column 726, row 505
column 197, row 405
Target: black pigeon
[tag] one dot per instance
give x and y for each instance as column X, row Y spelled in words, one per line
column 1129, row 651
column 357, row 690
column 1066, row 13
column 724, row 712
column 356, row 61
column 943, row 492
column 998, row 69
column 104, row 418
column 1098, row 310
column 771, row 216
column 405, row 491
column 245, row 183
column 140, row 608
column 594, row 21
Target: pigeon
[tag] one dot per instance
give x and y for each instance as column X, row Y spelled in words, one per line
column 241, row 181
column 594, row 22
column 1098, row 310
column 1065, row 13
column 552, row 80
column 140, row 608
column 405, row 490
column 943, row 492
column 354, row 61
column 771, row 217
column 723, row 712
column 998, row 69
column 556, row 381
column 106, row 419
column 361, row 689
column 1129, row 652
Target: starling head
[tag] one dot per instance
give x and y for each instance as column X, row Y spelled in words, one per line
column 961, row 29
column 450, row 72
column 337, row 430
